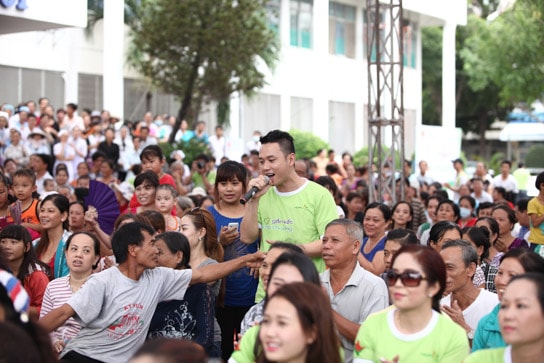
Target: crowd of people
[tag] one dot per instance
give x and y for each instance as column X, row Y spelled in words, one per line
column 308, row 269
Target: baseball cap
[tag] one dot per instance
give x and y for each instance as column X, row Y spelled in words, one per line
column 24, row 109
column 198, row 191
column 458, row 160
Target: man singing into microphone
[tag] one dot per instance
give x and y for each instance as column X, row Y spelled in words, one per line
column 287, row 208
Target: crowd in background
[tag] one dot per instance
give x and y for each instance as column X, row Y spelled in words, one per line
column 444, row 253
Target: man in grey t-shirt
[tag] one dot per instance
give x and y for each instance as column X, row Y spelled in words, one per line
column 115, row 306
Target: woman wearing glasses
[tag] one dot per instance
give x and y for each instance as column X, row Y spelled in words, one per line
column 414, row 330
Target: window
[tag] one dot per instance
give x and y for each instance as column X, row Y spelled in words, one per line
column 342, row 29
column 368, row 41
column 301, row 113
column 273, row 15
column 341, row 126
column 409, row 33
column 301, row 23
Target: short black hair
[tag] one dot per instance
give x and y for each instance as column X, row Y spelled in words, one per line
column 539, row 180
column 128, row 234
column 24, row 173
column 284, row 139
column 98, row 154
column 522, row 204
column 148, row 176
column 151, row 151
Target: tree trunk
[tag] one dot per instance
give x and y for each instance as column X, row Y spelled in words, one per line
column 482, row 127
column 186, row 102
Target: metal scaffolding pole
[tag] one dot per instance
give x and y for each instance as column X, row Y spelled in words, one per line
column 385, row 99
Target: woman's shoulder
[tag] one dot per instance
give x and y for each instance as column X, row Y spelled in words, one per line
column 208, row 261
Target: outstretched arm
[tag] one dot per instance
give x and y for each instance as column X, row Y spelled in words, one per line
column 56, row 317
column 219, row 270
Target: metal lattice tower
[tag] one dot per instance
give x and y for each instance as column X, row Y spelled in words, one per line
column 385, row 97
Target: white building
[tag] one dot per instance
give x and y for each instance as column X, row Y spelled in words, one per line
column 319, row 84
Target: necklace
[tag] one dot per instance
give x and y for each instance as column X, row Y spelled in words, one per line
column 73, row 286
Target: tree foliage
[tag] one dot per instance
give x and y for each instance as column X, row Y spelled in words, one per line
column 507, row 52
column 498, row 64
column 202, row 49
column 307, row 144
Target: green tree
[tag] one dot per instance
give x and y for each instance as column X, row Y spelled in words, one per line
column 307, row 144
column 202, row 49
column 498, row 64
column 508, row 53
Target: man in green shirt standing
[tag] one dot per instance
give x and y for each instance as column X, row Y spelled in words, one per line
column 286, row 208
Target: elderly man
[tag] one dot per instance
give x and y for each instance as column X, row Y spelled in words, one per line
column 354, row 292
column 465, row 304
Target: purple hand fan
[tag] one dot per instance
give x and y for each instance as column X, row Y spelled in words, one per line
column 102, row 197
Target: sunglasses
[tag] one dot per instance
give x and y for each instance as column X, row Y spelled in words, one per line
column 408, row 278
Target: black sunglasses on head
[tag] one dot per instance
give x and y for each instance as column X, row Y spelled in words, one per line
column 408, row 278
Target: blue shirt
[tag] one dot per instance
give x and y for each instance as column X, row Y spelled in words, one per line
column 379, row 247
column 240, row 286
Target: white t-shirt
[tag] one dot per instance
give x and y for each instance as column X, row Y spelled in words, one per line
column 484, row 303
column 509, row 184
column 115, row 311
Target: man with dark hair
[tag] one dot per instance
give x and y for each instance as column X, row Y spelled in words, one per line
column 507, row 181
column 523, row 218
column 115, row 306
column 287, row 207
column 71, row 119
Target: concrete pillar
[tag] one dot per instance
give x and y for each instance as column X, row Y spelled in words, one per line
column 113, row 56
column 448, row 75
column 70, row 76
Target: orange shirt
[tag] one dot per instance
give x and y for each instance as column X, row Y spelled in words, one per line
column 30, row 215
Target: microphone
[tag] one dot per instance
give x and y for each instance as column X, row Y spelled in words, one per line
column 252, row 192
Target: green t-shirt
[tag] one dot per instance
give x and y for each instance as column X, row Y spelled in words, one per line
column 197, row 179
column 522, row 176
column 441, row 341
column 497, row 355
column 537, row 232
column 296, row 217
column 246, row 350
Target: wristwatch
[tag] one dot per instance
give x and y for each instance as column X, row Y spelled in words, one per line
column 470, row 334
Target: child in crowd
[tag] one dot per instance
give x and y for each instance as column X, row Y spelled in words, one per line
column 24, row 185
column 6, row 217
column 153, row 160
column 165, row 201
column 145, row 187
column 49, row 186
column 83, row 181
column 535, row 210
column 17, row 246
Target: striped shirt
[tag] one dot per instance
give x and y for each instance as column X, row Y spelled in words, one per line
column 57, row 293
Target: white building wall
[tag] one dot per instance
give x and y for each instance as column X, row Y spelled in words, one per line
column 310, row 74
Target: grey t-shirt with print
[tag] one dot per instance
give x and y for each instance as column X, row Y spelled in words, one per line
column 115, row 311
